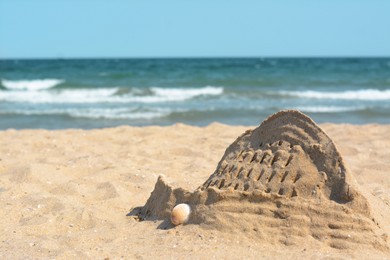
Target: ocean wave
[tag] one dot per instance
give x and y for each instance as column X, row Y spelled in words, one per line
column 186, row 93
column 106, row 95
column 95, row 113
column 31, row 85
column 330, row 109
column 78, row 96
column 114, row 114
column 362, row 94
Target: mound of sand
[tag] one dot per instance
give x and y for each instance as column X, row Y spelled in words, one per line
column 279, row 183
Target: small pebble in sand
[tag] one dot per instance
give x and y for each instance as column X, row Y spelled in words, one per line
column 180, row 214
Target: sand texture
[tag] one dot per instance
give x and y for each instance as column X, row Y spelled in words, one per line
column 296, row 193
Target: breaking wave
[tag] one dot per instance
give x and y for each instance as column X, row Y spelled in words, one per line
column 31, row 85
column 362, row 94
column 95, row 113
column 107, row 95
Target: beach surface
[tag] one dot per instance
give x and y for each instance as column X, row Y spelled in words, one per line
column 68, row 193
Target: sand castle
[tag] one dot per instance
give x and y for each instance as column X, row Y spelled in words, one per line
column 281, row 182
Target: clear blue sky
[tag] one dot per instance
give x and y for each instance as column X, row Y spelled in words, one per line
column 198, row 28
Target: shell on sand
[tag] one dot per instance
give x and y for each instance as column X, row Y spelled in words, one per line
column 285, row 178
column 180, row 214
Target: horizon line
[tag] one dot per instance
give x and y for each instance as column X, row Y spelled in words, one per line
column 199, row 57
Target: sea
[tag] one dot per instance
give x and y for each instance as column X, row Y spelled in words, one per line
column 99, row 93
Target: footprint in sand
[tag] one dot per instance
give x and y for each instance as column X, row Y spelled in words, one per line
column 105, row 191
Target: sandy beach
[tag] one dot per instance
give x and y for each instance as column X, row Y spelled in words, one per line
column 68, row 193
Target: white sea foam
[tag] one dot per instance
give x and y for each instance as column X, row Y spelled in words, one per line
column 31, row 85
column 105, row 95
column 60, row 96
column 175, row 94
column 186, row 93
column 330, row 109
column 116, row 114
column 363, row 94
column 95, row 113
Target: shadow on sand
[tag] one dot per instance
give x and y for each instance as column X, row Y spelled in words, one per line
column 136, row 214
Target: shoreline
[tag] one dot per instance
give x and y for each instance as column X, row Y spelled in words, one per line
column 215, row 123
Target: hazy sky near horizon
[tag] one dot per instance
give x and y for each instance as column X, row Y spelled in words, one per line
column 179, row 28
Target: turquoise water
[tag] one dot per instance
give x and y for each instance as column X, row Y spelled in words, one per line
column 56, row 94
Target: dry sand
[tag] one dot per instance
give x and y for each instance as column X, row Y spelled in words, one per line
column 67, row 194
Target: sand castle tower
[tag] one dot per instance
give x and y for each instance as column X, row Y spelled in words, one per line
column 287, row 155
column 284, row 179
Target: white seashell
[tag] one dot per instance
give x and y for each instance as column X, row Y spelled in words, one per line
column 180, row 214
